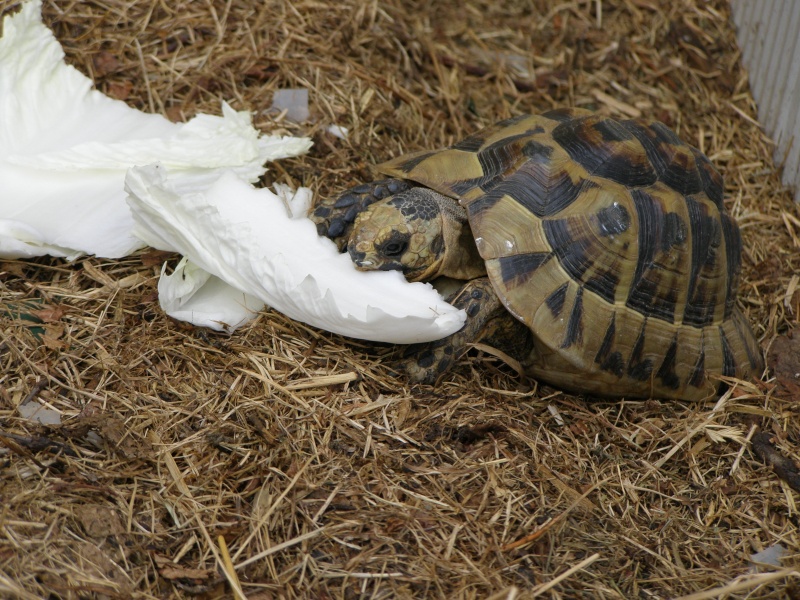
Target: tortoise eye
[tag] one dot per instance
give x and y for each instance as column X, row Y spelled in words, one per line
column 394, row 249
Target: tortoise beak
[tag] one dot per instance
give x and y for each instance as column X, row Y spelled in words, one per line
column 359, row 258
column 363, row 263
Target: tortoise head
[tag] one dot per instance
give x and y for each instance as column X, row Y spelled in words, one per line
column 402, row 233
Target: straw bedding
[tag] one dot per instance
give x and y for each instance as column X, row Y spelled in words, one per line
column 286, row 462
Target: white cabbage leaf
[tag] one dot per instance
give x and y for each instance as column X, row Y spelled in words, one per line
column 261, row 244
column 65, row 148
column 191, row 294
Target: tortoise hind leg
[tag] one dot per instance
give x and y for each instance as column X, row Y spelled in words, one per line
column 487, row 320
column 334, row 217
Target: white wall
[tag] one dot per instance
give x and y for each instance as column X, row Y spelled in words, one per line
column 769, row 37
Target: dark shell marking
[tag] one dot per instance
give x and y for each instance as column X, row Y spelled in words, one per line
column 610, row 240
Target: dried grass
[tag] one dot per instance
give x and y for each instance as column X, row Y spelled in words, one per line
column 285, row 462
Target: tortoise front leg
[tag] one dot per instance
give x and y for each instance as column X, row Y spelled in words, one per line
column 335, row 217
column 486, row 316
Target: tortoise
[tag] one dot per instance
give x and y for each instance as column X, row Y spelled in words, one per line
column 597, row 252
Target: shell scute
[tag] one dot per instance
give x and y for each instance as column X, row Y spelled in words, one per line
column 708, row 273
column 517, row 269
column 536, row 187
column 606, row 149
column 673, row 161
column 713, row 186
column 663, row 255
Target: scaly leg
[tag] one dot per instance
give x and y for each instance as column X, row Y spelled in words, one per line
column 335, row 217
column 425, row 363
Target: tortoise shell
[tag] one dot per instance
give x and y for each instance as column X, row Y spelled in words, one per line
column 610, row 241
